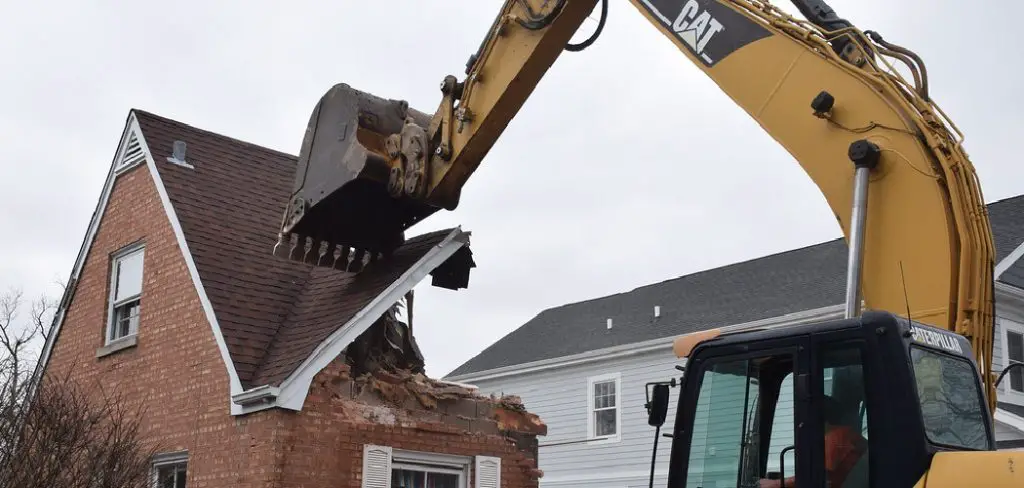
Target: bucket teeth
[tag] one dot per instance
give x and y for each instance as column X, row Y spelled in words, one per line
column 358, row 262
column 298, row 249
column 283, row 246
column 312, row 255
column 309, row 251
column 342, row 261
column 326, row 258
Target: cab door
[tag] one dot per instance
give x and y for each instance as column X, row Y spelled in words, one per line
column 839, row 418
column 736, row 421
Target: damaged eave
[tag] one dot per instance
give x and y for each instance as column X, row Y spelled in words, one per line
column 448, row 272
column 259, row 396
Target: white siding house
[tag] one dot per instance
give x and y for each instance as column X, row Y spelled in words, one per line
column 583, row 367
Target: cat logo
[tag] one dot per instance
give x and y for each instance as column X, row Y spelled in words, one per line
column 696, row 27
column 707, row 28
column 936, row 339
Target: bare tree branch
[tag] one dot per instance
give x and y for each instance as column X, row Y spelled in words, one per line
column 57, row 431
column 43, row 310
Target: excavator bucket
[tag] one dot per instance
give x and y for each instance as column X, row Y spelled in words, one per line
column 340, row 205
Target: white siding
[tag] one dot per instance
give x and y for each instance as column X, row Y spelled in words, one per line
column 559, row 397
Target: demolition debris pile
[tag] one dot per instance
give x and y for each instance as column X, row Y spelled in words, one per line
column 413, row 400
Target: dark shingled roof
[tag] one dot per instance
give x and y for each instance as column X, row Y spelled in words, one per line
column 272, row 312
column 771, row 286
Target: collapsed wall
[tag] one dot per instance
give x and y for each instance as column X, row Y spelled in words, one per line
column 376, row 394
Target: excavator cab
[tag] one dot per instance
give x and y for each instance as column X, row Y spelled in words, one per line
column 763, row 404
column 348, row 195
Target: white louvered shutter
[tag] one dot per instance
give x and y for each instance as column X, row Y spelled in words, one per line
column 132, row 152
column 376, row 466
column 488, row 472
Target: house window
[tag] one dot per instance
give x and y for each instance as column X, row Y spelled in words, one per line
column 418, row 476
column 1014, row 355
column 125, row 293
column 169, row 470
column 386, row 467
column 604, row 412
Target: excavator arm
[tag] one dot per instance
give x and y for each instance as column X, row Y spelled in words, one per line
column 828, row 92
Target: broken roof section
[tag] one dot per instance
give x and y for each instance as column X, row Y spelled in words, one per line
column 278, row 318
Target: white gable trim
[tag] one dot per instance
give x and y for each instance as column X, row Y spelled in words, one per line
column 133, row 151
column 1009, row 260
column 291, row 394
column 83, row 250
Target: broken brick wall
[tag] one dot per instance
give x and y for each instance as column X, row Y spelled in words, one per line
column 324, row 443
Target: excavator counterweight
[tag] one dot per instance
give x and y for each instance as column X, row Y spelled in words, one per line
column 344, row 204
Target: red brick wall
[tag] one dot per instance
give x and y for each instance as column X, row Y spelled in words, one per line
column 177, row 372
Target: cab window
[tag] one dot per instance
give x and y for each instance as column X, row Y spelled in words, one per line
column 951, row 401
column 742, row 403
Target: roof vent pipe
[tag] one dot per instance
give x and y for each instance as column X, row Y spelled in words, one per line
column 657, row 311
column 178, row 150
column 609, row 323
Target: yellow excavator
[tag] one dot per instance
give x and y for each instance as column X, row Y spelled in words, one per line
column 906, row 376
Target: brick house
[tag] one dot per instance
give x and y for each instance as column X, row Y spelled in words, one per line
column 244, row 361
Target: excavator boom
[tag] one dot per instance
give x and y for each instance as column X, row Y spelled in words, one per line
column 825, row 90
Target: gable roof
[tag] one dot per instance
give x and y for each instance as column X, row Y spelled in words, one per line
column 272, row 312
column 276, row 321
column 795, row 281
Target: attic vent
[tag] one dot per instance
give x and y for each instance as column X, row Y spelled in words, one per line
column 132, row 152
column 609, row 323
column 178, row 150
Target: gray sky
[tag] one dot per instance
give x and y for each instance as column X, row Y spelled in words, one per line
column 626, row 167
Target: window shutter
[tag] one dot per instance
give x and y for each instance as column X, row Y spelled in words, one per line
column 376, row 466
column 488, row 472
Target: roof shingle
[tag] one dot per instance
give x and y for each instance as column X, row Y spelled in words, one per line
column 272, row 312
column 772, row 286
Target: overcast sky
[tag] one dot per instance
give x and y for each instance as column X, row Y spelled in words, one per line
column 627, row 166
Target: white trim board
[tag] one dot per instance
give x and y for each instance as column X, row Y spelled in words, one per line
column 665, row 343
column 1008, row 261
column 1009, row 419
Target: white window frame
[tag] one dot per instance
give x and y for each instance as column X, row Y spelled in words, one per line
column 112, row 306
column 615, row 378
column 428, row 462
column 1008, row 326
column 166, row 459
